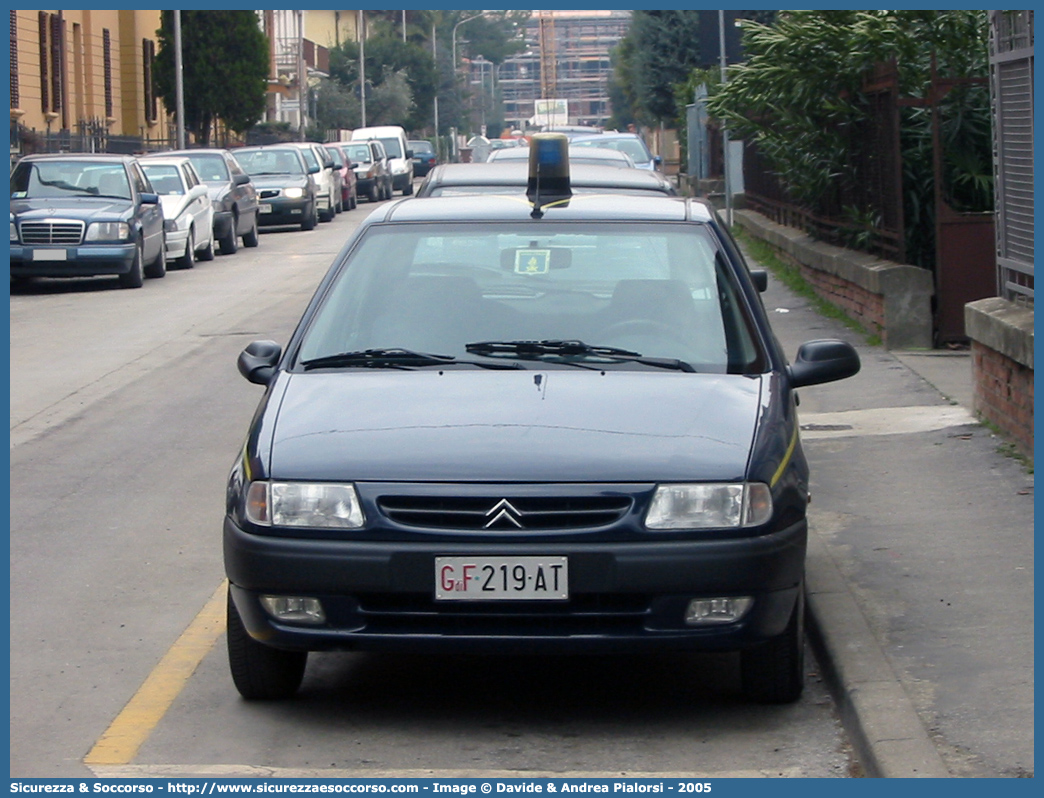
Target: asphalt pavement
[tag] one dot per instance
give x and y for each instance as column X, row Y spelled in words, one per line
column 920, row 563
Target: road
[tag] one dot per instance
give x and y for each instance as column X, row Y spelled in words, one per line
column 126, row 413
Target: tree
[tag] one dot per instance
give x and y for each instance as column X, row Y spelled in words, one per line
column 664, row 49
column 800, row 97
column 387, row 57
column 225, row 69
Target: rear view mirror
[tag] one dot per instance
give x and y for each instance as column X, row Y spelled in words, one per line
column 823, row 361
column 258, row 361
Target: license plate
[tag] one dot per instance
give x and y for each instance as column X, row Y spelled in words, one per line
column 49, row 254
column 264, row 207
column 501, row 578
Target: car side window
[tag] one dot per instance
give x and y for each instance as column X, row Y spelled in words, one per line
column 140, row 181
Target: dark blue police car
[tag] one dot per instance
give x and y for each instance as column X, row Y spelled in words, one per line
column 526, row 423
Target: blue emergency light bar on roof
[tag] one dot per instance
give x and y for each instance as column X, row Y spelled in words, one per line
column 548, row 171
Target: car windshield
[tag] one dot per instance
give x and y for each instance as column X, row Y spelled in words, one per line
column 257, row 163
column 661, row 291
column 211, row 168
column 359, row 153
column 391, row 147
column 633, row 147
column 62, row 179
column 165, row 179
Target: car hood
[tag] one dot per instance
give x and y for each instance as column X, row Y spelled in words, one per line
column 173, row 205
column 218, row 191
column 86, row 208
column 279, row 181
column 512, row 426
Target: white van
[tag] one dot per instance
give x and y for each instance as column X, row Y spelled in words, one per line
column 400, row 157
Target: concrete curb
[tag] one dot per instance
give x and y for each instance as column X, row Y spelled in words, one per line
column 888, row 736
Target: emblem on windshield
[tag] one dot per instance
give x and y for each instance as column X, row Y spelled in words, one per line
column 503, row 512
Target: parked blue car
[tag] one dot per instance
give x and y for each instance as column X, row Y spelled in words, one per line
column 80, row 215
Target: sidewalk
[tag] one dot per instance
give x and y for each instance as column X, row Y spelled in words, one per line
column 920, row 563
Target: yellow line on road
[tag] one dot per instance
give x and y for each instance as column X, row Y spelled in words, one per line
column 126, row 734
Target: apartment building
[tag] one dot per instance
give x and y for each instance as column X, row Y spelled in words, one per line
column 84, row 74
column 566, row 57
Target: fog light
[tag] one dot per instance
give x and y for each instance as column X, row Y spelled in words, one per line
column 704, row 612
column 294, row 609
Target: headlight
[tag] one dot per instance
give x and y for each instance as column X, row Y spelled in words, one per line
column 108, row 231
column 303, row 504
column 14, row 232
column 709, row 506
column 293, row 193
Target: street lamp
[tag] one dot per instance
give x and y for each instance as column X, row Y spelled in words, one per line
column 453, row 38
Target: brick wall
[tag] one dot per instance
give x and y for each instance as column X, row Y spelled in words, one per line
column 1004, row 394
column 1001, row 336
column 890, row 300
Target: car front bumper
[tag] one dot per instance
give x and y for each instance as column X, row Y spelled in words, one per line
column 282, row 211
column 623, row 596
column 80, row 261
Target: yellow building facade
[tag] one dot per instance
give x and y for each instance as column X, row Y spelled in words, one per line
column 86, row 70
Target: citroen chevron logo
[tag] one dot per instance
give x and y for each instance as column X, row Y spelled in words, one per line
column 503, row 510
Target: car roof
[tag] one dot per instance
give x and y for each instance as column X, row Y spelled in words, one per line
column 516, row 173
column 165, row 158
column 193, row 151
column 100, row 157
column 590, row 153
column 582, row 207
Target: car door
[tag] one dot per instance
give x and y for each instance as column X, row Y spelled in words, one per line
column 244, row 194
column 150, row 215
column 200, row 208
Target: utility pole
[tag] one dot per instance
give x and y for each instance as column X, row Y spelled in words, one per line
column 435, row 60
column 302, row 78
column 362, row 67
column 724, row 126
column 179, row 83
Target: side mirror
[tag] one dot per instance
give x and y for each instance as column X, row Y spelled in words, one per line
column 314, row 169
column 241, row 179
column 258, row 361
column 409, row 153
column 822, row 361
column 353, row 166
column 760, row 278
column 658, row 160
column 148, row 198
column 198, row 191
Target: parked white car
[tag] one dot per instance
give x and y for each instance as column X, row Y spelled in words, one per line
column 322, row 168
column 188, row 214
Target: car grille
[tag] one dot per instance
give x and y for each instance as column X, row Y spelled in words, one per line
column 584, row 614
column 268, row 193
column 504, row 514
column 64, row 234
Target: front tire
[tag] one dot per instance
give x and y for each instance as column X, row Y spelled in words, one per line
column 134, row 278
column 250, row 238
column 207, row 253
column 310, row 221
column 773, row 672
column 407, row 190
column 188, row 260
column 229, row 243
column 260, row 672
column 158, row 268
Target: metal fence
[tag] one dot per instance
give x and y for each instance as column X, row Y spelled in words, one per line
column 86, row 138
column 874, row 185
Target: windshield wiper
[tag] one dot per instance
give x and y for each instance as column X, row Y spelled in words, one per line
column 571, row 349
column 393, row 358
